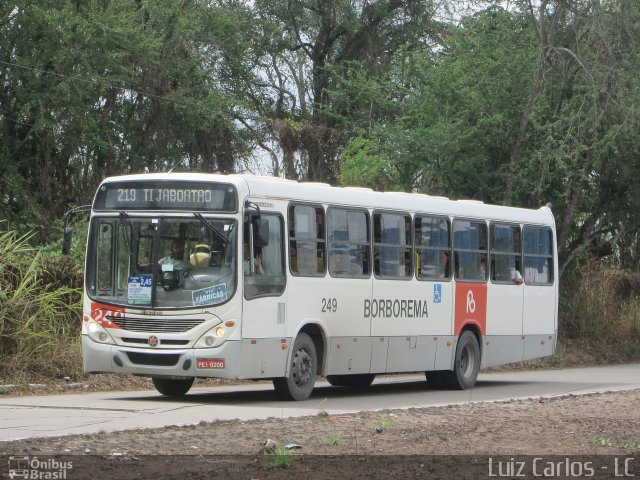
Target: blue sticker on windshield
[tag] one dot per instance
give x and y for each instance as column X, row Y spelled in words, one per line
column 209, row 295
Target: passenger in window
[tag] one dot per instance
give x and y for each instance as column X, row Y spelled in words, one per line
column 257, row 261
column 483, row 268
column 516, row 276
column 444, row 264
column 407, row 264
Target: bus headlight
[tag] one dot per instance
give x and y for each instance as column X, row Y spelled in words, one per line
column 97, row 333
column 213, row 338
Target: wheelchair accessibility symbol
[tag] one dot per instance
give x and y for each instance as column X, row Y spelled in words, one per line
column 437, row 293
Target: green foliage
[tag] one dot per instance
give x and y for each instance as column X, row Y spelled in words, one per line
column 37, row 311
column 70, row 267
column 613, row 442
column 325, row 69
column 459, row 119
column 365, row 166
column 334, row 439
column 94, row 89
column 279, row 458
column 602, row 311
column 386, row 422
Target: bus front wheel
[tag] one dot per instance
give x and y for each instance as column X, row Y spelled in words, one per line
column 302, row 371
column 172, row 387
column 466, row 365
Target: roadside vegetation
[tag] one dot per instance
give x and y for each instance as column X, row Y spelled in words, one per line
column 40, row 310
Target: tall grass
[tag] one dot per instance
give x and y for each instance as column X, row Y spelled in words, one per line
column 39, row 312
column 600, row 309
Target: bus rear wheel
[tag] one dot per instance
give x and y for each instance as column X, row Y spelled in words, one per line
column 172, row 387
column 302, row 371
column 354, row 381
column 466, row 365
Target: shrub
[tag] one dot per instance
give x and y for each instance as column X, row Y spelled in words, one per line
column 600, row 306
column 40, row 304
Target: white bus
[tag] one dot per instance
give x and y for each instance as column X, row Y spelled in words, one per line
column 244, row 277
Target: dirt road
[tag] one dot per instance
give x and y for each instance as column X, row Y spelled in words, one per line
column 438, row 442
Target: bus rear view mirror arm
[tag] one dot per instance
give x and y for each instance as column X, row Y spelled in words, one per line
column 67, row 236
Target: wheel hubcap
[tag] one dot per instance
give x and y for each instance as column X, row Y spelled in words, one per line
column 466, row 361
column 302, row 367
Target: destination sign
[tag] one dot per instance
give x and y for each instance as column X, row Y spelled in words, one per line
column 198, row 196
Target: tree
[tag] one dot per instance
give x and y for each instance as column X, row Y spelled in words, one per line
column 320, row 41
column 91, row 89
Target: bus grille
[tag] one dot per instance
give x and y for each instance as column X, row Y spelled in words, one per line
column 156, row 325
column 161, row 360
column 145, row 341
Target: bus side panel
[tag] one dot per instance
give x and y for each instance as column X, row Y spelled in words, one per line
column 539, row 321
column 445, row 351
column 337, row 305
column 405, row 308
column 539, row 310
column 411, row 353
column 504, row 309
column 536, row 346
column 262, row 358
column 262, row 318
column 501, row 349
column 379, row 354
column 349, row 355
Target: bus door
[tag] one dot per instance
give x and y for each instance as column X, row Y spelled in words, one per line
column 505, row 296
column 341, row 295
column 264, row 296
column 540, row 302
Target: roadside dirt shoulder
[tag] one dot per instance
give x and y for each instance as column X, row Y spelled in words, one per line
column 597, row 424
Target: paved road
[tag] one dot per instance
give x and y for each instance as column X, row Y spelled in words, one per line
column 42, row 416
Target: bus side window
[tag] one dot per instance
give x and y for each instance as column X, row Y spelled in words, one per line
column 392, row 245
column 506, row 248
column 433, row 247
column 306, row 240
column 348, row 239
column 470, row 250
column 538, row 255
column 270, row 279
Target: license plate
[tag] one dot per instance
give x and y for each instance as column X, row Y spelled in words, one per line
column 209, row 363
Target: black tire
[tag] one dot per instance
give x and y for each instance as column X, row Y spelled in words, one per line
column 436, row 379
column 172, row 387
column 354, row 381
column 466, row 365
column 302, row 371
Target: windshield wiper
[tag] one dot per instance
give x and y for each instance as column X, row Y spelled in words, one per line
column 124, row 224
column 211, row 227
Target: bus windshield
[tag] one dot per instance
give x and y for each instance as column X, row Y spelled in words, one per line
column 162, row 262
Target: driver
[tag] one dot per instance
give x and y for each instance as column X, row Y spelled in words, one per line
column 175, row 258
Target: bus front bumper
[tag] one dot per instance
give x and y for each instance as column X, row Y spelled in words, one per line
column 203, row 362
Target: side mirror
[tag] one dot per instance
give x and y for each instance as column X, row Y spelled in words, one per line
column 260, row 232
column 66, row 240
